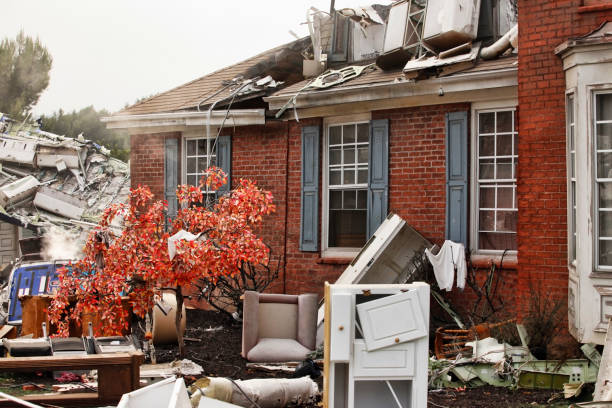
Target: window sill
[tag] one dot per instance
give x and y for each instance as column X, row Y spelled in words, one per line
column 486, row 260
column 334, row 261
column 595, row 7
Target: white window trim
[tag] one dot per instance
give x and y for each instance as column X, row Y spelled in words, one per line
column 335, row 252
column 593, row 92
column 570, row 215
column 474, row 199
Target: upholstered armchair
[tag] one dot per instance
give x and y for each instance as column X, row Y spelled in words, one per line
column 278, row 328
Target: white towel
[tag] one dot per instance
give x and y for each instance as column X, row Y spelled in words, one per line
column 451, row 258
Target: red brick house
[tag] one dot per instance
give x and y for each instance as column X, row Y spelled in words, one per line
column 483, row 156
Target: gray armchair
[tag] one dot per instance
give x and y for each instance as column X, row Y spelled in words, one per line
column 277, row 328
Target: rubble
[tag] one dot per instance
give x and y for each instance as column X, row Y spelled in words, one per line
column 51, row 180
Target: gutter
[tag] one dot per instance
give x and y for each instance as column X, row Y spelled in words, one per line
column 460, row 82
column 238, row 117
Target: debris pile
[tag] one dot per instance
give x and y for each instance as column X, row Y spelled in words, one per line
column 50, row 180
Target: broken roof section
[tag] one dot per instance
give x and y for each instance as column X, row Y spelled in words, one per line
column 283, row 64
column 50, row 180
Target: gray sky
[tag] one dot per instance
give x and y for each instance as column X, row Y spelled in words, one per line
column 107, row 53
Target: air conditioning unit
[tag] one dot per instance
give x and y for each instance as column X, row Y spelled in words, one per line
column 450, row 23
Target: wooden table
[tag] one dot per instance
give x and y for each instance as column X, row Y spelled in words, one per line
column 118, row 373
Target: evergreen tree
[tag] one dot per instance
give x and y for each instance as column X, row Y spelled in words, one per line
column 24, row 74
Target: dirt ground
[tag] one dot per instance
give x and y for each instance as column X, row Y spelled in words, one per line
column 218, row 352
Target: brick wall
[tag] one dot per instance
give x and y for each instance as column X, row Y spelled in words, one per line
column 542, row 192
column 147, row 161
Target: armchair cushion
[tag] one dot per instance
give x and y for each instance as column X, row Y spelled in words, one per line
column 280, row 350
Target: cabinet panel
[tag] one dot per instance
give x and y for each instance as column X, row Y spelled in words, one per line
column 393, row 361
column 341, row 327
column 391, row 320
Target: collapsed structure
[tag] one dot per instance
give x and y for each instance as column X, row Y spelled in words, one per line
column 53, row 184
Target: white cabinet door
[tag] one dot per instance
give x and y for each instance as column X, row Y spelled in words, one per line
column 393, row 361
column 391, row 320
column 342, row 323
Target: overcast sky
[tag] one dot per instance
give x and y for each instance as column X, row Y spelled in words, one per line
column 107, row 53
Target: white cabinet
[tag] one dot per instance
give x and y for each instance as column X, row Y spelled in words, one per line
column 376, row 345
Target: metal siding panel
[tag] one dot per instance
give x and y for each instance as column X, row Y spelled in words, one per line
column 224, row 161
column 309, row 219
column 456, row 177
column 378, row 177
column 171, row 175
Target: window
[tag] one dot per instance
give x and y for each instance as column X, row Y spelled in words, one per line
column 496, row 159
column 571, row 143
column 346, row 158
column 603, row 178
column 200, row 154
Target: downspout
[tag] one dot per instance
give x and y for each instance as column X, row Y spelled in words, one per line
column 286, row 211
column 510, row 39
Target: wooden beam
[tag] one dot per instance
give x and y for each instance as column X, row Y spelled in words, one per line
column 326, row 340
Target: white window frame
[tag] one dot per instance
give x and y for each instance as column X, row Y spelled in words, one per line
column 187, row 136
column 572, row 240
column 476, row 108
column 326, row 251
column 593, row 120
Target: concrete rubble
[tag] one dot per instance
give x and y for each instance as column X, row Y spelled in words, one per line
column 49, row 180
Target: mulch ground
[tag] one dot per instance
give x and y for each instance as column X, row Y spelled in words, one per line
column 218, row 352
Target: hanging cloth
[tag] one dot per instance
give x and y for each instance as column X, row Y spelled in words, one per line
column 447, row 262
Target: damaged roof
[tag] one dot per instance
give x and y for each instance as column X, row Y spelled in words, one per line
column 282, row 63
column 50, row 180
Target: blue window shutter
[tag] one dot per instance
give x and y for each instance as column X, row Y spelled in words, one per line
column 171, row 175
column 456, row 177
column 309, row 222
column 378, row 177
column 224, row 161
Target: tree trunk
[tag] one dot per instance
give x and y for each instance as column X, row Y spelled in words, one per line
column 178, row 317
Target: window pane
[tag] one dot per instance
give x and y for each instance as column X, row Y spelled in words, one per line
column 486, row 145
column 334, row 156
column 505, row 197
column 349, row 155
column 347, row 228
column 335, row 199
column 504, row 169
column 362, row 155
column 486, row 122
column 504, row 145
column 605, row 253
column 487, row 168
column 191, row 165
column 362, row 176
column 604, row 106
column 604, row 136
column 363, row 133
column 348, row 135
column 350, row 200
column 504, row 121
column 202, row 165
column 191, row 147
column 604, row 165
column 487, row 197
column 202, row 147
column 335, row 177
column 349, row 176
column 487, row 220
column 362, row 199
column 497, row 240
column 335, row 135
column 192, row 180
column 605, row 224
column 605, row 195
column 506, row 221
column 572, row 165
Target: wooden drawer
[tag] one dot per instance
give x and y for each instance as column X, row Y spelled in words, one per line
column 342, row 322
column 392, row 361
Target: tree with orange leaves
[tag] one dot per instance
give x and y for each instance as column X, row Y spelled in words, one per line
column 137, row 262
